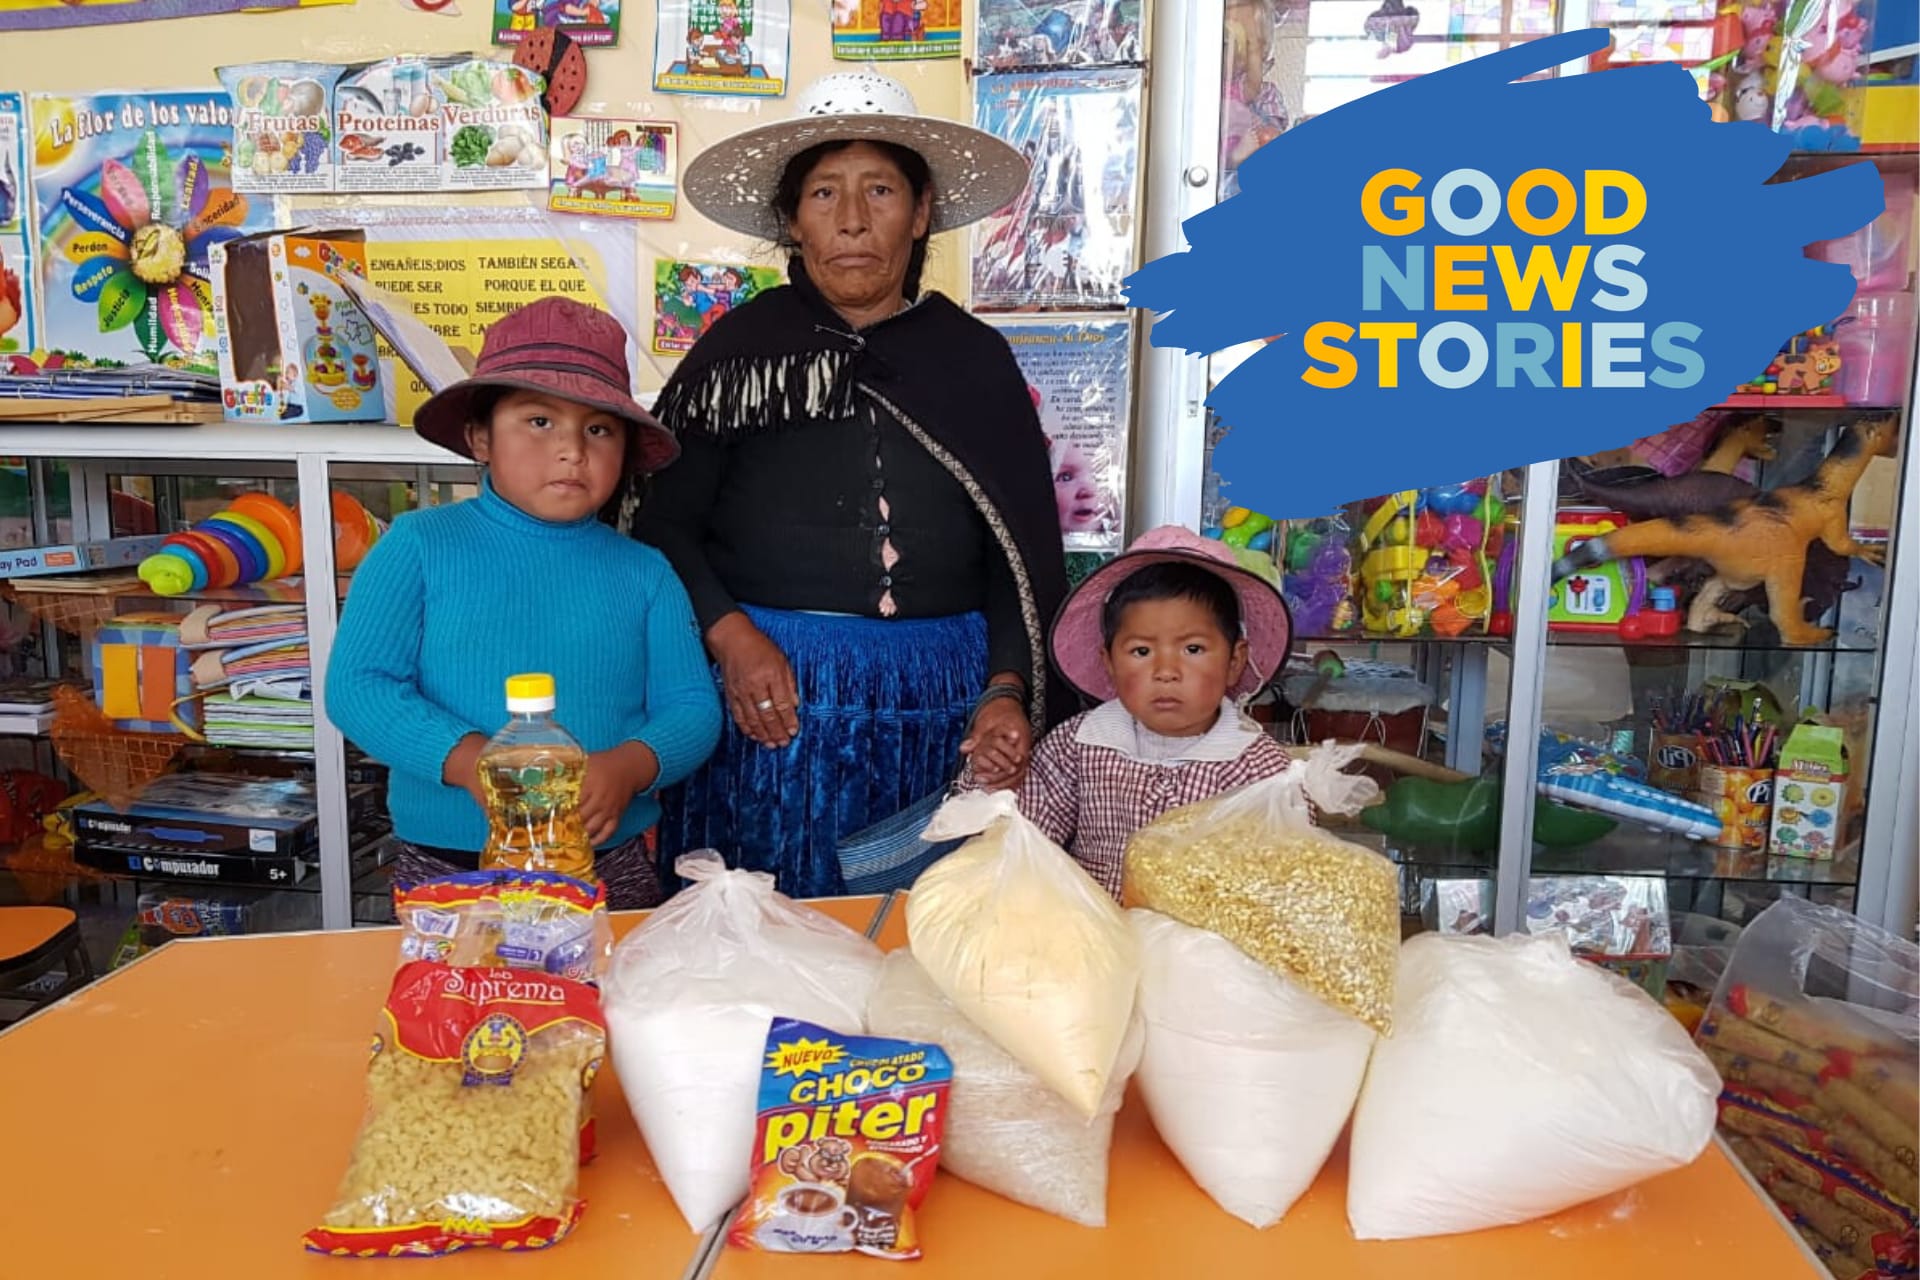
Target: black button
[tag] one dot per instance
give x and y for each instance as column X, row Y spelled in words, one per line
column 883, row 528
column 886, row 579
column 878, row 484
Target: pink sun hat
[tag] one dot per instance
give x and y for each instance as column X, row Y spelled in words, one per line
column 1080, row 652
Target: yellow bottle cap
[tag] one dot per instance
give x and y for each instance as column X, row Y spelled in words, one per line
column 530, row 688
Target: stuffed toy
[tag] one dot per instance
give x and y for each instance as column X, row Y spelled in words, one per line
column 1760, row 539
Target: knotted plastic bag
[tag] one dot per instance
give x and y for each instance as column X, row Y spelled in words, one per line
column 1027, row 946
column 1248, row 1078
column 688, row 1002
column 1005, row 1131
column 1251, row 867
column 1519, row 1081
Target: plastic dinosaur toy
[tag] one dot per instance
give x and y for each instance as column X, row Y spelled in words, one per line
column 1743, row 440
column 1758, row 540
column 1676, row 497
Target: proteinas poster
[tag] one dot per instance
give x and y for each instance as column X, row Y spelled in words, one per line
column 1066, row 242
column 132, row 191
column 1080, row 376
column 17, row 325
column 594, row 23
column 895, row 30
column 733, row 48
column 688, row 297
column 1028, row 35
column 613, row 168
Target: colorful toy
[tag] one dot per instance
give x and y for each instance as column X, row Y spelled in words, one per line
column 256, row 539
column 1424, row 563
column 1796, row 68
column 141, row 672
column 1250, row 536
column 1806, row 366
column 1759, row 540
column 1601, row 600
column 1319, row 576
column 1581, row 774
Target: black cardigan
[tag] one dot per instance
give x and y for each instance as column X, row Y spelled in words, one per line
column 927, row 408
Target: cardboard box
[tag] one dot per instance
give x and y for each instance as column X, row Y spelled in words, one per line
column 77, row 557
column 1809, row 793
column 293, row 346
column 199, row 814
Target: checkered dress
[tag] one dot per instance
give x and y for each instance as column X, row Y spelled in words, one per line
column 1090, row 799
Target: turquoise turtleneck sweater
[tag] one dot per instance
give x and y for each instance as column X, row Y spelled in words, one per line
column 455, row 599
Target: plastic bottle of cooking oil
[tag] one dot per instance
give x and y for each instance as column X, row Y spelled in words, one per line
column 531, row 772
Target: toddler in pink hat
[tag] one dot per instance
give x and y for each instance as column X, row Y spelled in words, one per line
column 1172, row 637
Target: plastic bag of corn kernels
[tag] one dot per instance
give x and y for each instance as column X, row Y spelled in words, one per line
column 474, row 1101
column 1251, row 867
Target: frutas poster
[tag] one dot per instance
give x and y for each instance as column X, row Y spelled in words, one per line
column 132, row 191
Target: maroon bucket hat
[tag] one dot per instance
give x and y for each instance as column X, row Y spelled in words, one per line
column 564, row 348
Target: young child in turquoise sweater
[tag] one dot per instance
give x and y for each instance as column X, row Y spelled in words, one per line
column 527, row 577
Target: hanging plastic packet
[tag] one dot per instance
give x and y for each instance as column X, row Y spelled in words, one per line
column 536, row 920
column 846, row 1144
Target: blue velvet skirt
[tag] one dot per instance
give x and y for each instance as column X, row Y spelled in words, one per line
column 883, row 709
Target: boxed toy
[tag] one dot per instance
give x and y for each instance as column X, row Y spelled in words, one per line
column 294, row 346
column 1809, row 793
column 77, row 557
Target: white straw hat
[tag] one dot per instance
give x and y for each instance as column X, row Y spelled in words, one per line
column 974, row 173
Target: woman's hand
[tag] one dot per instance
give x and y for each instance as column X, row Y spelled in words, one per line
column 999, row 745
column 613, row 779
column 758, row 681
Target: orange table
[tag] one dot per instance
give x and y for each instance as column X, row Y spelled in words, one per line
column 190, row 1116
column 1705, row 1220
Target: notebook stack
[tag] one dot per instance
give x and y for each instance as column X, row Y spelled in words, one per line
column 256, row 671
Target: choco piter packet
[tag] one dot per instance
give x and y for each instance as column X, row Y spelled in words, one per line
column 846, row 1145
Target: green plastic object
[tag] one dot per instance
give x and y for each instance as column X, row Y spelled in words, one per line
column 1464, row 817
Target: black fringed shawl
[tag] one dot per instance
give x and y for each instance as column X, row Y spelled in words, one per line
column 948, row 379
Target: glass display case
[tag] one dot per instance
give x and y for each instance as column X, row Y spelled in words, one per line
column 225, row 815
column 1574, row 704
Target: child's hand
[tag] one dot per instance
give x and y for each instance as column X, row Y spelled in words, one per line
column 613, row 779
column 462, row 768
column 999, row 746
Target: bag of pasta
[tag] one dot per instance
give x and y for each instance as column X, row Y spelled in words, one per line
column 1027, row 946
column 1005, row 1131
column 1816, row 1029
column 1252, row 867
column 474, row 1102
column 534, row 920
column 691, row 995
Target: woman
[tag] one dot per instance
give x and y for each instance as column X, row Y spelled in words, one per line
column 863, row 511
